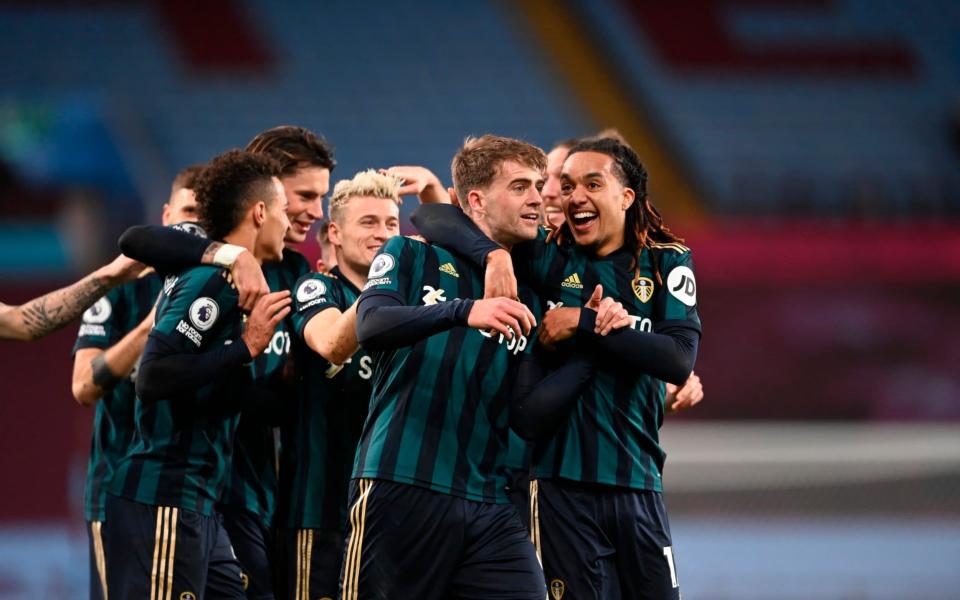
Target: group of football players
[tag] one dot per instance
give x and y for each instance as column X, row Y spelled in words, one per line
column 473, row 413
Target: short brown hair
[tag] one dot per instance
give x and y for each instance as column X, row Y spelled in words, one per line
column 294, row 148
column 229, row 186
column 186, row 178
column 477, row 163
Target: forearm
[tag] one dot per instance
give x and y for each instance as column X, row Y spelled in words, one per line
column 164, row 373
column 166, row 249
column 336, row 341
column 668, row 356
column 448, row 226
column 541, row 402
column 384, row 323
column 93, row 378
column 43, row 315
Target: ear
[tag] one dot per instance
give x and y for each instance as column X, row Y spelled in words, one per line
column 165, row 219
column 333, row 234
column 320, row 266
column 259, row 213
column 475, row 200
column 452, row 192
column 629, row 196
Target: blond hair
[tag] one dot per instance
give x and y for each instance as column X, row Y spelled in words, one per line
column 368, row 184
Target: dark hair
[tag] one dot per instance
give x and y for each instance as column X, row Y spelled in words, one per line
column 293, row 148
column 229, row 185
column 186, row 178
column 477, row 163
column 644, row 226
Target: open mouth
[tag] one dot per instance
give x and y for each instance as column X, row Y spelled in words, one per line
column 582, row 219
column 530, row 217
column 300, row 227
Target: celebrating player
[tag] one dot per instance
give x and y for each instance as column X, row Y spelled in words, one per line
column 111, row 339
column 601, row 524
column 162, row 537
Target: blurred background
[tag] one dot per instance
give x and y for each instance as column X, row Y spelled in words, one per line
column 808, row 151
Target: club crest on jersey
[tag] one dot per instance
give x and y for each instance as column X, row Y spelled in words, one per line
column 191, row 228
column 643, row 288
column 99, row 312
column 192, row 596
column 204, row 313
column 310, row 289
column 683, row 285
column 557, row 589
column 381, row 265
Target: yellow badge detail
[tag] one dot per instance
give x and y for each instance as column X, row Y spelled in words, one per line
column 643, row 288
column 189, row 596
column 557, row 588
column 449, row 269
column 245, row 580
column 572, row 281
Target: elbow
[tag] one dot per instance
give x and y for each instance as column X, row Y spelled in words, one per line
column 146, row 390
column 84, row 394
column 524, row 428
column 127, row 241
column 680, row 370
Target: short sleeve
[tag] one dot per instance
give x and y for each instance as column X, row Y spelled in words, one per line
column 101, row 325
column 679, row 304
column 196, row 309
column 392, row 270
column 312, row 294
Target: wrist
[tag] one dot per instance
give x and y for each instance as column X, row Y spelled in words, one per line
column 252, row 349
column 497, row 254
column 227, row 254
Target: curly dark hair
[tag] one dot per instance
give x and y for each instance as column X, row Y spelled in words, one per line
column 229, row 185
column 644, row 226
column 294, row 148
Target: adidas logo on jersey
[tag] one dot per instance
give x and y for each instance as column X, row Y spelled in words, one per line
column 572, row 281
column 449, row 269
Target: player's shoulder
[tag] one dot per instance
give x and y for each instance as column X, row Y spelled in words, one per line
column 203, row 280
column 294, row 262
column 313, row 285
column 672, row 249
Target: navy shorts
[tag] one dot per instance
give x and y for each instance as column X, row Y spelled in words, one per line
column 405, row 541
column 312, row 563
column 603, row 542
column 252, row 542
column 98, row 566
column 167, row 552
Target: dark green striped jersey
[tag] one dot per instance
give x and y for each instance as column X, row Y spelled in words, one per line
column 252, row 484
column 612, row 435
column 181, row 452
column 438, row 412
column 320, row 442
column 103, row 325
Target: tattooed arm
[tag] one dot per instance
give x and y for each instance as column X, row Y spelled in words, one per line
column 41, row 316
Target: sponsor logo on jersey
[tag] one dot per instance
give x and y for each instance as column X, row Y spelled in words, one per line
column 683, row 285
column 378, row 281
column 190, row 333
column 310, row 289
column 432, row 295
column 572, row 281
column 449, row 269
column 557, row 589
column 643, row 288
column 99, row 312
column 382, row 264
column 203, row 313
column 87, row 329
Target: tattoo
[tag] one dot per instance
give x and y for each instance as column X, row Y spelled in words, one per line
column 52, row 311
column 208, row 254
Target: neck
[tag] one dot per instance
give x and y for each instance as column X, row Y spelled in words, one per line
column 493, row 235
column 357, row 277
column 611, row 246
column 246, row 237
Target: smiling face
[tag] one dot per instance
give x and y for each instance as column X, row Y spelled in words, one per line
column 305, row 189
column 509, row 209
column 552, row 206
column 595, row 202
column 361, row 227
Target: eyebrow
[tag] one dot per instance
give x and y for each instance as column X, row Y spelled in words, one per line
column 521, row 180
